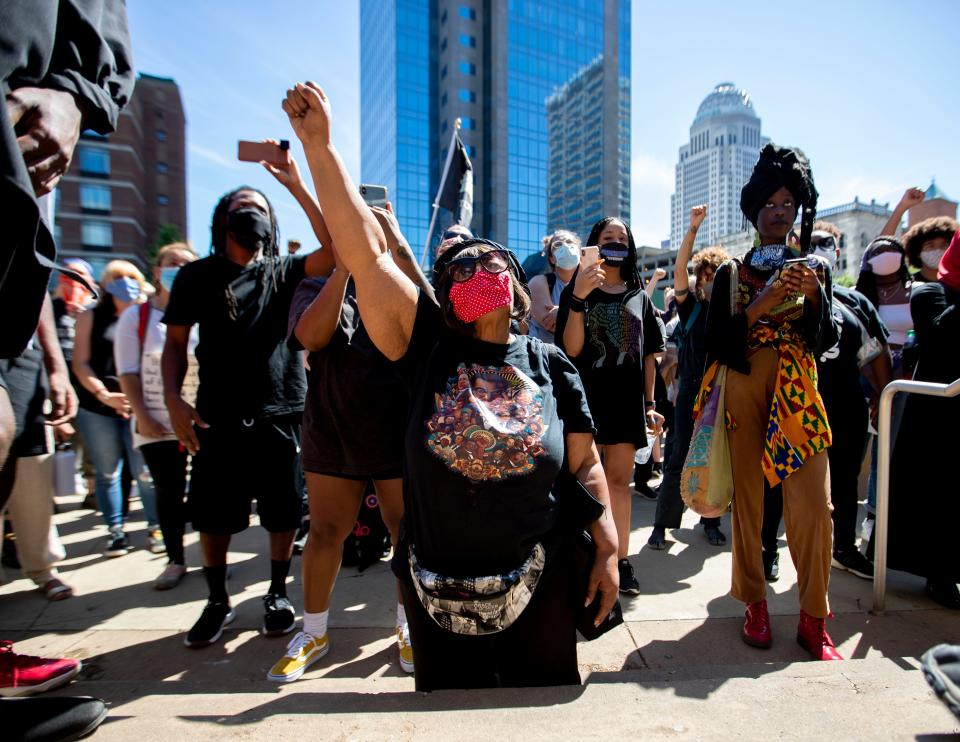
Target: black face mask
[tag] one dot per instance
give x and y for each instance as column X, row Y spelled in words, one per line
column 250, row 228
column 614, row 253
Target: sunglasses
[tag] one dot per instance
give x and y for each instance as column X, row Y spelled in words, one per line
column 493, row 261
column 824, row 243
column 452, row 234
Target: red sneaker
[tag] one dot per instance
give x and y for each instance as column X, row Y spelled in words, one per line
column 812, row 635
column 23, row 675
column 756, row 628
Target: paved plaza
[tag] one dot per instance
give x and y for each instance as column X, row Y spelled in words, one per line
column 677, row 669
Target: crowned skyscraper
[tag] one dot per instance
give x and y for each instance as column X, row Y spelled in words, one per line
column 725, row 141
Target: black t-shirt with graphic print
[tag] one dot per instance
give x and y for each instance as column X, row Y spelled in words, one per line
column 246, row 369
column 484, row 445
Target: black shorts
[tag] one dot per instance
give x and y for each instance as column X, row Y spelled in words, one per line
column 236, row 465
column 24, row 379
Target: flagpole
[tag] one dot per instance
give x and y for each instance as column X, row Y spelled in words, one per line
column 436, row 199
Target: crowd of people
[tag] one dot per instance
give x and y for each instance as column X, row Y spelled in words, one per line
column 485, row 413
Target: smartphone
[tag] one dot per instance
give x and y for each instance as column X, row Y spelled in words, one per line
column 589, row 256
column 275, row 154
column 374, row 195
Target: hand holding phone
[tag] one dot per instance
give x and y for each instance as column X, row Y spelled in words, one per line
column 590, row 275
column 589, row 257
column 272, row 152
column 374, row 195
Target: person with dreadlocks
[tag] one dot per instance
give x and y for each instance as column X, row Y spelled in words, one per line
column 244, row 433
column 767, row 322
column 493, row 418
column 608, row 327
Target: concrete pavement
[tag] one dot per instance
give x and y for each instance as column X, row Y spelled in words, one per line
column 676, row 669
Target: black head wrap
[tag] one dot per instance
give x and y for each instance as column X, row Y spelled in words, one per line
column 782, row 167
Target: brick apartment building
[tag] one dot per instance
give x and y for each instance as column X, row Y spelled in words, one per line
column 123, row 188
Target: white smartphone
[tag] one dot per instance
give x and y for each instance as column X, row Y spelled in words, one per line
column 589, row 256
column 374, row 195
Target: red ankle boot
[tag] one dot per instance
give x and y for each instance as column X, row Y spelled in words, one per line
column 812, row 635
column 756, row 628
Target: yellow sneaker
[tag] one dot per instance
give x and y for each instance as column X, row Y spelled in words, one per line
column 406, row 649
column 302, row 651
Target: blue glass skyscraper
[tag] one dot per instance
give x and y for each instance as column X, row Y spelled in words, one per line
column 499, row 65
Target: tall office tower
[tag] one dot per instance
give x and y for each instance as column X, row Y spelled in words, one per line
column 122, row 188
column 497, row 66
column 725, row 141
column 582, row 187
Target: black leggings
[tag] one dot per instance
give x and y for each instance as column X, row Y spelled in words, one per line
column 167, row 462
column 539, row 649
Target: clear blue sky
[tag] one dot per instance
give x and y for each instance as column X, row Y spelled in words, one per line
column 868, row 89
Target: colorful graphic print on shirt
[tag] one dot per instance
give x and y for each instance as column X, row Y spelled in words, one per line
column 615, row 332
column 488, row 425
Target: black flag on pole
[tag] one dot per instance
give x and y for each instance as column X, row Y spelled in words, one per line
column 456, row 191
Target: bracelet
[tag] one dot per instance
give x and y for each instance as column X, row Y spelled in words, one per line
column 651, row 406
column 577, row 305
column 681, row 293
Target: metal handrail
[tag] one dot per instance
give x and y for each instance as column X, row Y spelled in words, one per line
column 927, row 388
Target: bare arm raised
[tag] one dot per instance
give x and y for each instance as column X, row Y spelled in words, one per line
column 387, row 297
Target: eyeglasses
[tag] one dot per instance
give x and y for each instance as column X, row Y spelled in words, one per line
column 493, row 261
column 824, row 243
column 452, row 234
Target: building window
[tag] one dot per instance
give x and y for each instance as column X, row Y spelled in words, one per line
column 467, row 69
column 94, row 161
column 472, row 151
column 443, row 16
column 161, row 135
column 469, row 13
column 443, row 126
column 96, row 234
column 467, row 96
column 94, row 197
column 443, row 100
column 162, row 167
column 162, row 199
column 443, row 43
column 443, row 72
column 468, row 123
column 468, row 40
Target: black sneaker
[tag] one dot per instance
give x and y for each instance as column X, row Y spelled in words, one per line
column 852, row 561
column 628, row 580
column 646, row 491
column 771, row 566
column 119, row 544
column 210, row 625
column 51, row 717
column 943, row 592
column 714, row 535
column 279, row 617
column 658, row 539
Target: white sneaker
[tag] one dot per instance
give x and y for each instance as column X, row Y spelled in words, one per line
column 866, row 529
column 302, row 651
column 405, row 648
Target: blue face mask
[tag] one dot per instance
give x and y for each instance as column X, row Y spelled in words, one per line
column 125, row 289
column 566, row 256
column 167, row 275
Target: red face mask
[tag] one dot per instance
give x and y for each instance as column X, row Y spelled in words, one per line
column 481, row 294
column 75, row 295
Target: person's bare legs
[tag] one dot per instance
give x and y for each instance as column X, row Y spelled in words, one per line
column 334, row 504
column 618, row 469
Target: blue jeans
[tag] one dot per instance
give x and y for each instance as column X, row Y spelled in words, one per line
column 107, row 438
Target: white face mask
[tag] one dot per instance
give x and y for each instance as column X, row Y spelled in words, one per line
column 932, row 258
column 886, row 263
column 830, row 255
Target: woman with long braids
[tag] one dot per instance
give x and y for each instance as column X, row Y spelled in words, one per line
column 244, row 433
column 607, row 325
column 768, row 321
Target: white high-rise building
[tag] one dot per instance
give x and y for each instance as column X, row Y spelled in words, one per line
column 725, row 141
